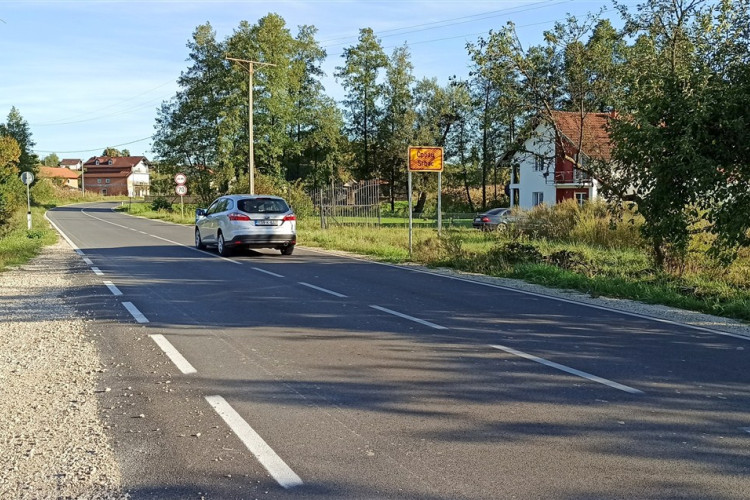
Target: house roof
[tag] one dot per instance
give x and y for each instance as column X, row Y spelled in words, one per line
column 596, row 142
column 117, row 161
column 107, row 171
column 70, row 161
column 57, row 172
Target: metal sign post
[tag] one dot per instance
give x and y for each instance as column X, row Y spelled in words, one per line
column 410, row 214
column 27, row 178
column 425, row 159
column 181, row 189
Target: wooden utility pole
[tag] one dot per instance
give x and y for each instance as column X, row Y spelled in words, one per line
column 251, row 149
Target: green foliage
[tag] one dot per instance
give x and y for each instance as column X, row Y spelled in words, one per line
column 11, row 187
column 519, row 253
column 51, row 160
column 359, row 77
column 161, row 203
column 43, row 191
column 18, row 128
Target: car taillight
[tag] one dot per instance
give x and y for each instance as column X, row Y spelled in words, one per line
column 235, row 216
column 290, row 217
column 485, row 219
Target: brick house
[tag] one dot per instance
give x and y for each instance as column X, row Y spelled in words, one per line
column 117, row 176
column 544, row 168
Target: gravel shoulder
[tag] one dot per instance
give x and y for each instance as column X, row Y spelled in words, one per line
column 53, row 442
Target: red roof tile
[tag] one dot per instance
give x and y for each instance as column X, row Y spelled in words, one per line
column 57, row 172
column 596, row 141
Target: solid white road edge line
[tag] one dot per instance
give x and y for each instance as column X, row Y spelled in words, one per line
column 567, row 369
column 138, row 315
column 268, row 458
column 112, row 288
column 324, row 290
column 173, row 354
column 267, row 272
column 535, row 294
column 410, row 318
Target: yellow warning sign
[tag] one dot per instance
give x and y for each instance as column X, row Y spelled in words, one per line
column 425, row 159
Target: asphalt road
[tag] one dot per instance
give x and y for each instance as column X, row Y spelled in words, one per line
column 323, row 376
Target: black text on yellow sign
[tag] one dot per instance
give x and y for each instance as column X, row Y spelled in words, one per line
column 425, row 159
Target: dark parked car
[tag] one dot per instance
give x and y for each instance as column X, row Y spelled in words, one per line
column 492, row 220
column 248, row 221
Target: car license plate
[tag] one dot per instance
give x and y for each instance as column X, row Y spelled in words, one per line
column 265, row 222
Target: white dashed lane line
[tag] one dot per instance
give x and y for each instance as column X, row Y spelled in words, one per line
column 138, row 315
column 410, row 318
column 567, row 369
column 268, row 458
column 267, row 272
column 97, row 271
column 178, row 359
column 324, row 290
column 112, row 288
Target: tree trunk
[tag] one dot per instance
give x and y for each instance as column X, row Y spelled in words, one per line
column 421, row 202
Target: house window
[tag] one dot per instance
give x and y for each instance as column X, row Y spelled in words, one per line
column 98, row 181
column 106, row 181
column 516, row 174
column 537, row 198
column 582, row 198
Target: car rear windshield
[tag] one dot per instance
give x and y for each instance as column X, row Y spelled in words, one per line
column 263, row 206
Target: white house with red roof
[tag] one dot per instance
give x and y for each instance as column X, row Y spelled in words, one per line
column 71, row 163
column 117, row 176
column 544, row 169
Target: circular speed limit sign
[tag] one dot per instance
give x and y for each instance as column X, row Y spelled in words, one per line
column 181, row 190
column 27, row 178
column 180, row 179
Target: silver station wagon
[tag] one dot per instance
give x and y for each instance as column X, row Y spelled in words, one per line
column 246, row 221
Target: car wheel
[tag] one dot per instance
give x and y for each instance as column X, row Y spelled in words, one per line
column 198, row 241
column 287, row 250
column 221, row 246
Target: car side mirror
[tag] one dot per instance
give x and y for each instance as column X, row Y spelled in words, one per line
column 200, row 213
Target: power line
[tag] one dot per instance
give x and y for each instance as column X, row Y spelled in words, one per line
column 447, row 22
column 61, row 122
column 92, row 150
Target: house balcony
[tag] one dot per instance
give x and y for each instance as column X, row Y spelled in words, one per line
column 568, row 178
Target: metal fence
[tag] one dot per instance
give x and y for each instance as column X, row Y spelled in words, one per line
column 360, row 202
column 355, row 202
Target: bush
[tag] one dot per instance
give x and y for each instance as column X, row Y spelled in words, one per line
column 43, row 191
column 519, row 253
column 161, row 203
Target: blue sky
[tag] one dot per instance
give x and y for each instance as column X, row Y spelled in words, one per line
column 89, row 74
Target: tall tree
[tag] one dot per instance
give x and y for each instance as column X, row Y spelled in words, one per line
column 682, row 147
column 397, row 126
column 51, row 160
column 18, row 128
column 191, row 127
column 11, row 188
column 269, row 41
column 359, row 75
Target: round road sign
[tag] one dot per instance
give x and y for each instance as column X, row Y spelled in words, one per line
column 27, row 178
column 181, row 190
column 180, row 179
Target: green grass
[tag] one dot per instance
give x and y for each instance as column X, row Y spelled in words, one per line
column 19, row 245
